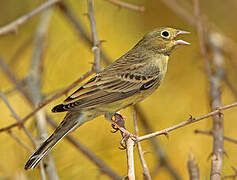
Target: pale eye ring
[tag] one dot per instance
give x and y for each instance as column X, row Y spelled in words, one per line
column 165, row 34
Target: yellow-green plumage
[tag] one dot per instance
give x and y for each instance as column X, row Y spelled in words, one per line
column 128, row 80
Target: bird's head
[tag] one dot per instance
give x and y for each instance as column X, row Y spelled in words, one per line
column 163, row 40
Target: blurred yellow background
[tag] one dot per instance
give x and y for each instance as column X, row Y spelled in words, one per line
column 183, row 92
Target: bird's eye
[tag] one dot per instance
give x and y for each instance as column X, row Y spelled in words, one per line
column 165, row 34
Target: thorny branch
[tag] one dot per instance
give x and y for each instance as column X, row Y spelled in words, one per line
column 13, row 26
column 187, row 122
column 146, row 172
column 95, row 39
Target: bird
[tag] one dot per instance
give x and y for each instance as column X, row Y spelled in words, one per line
column 128, row 80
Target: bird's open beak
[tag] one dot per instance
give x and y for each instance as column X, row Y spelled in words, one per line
column 181, row 42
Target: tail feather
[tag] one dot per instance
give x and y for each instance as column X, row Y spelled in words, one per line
column 71, row 121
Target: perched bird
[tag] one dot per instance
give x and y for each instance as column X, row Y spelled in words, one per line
column 128, row 80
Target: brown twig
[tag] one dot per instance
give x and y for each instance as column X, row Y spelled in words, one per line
column 210, row 133
column 187, row 122
column 146, row 172
column 127, row 5
column 14, row 114
column 215, row 80
column 193, row 169
column 200, row 32
column 13, row 26
column 95, row 39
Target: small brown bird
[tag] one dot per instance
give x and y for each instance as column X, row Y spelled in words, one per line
column 128, row 80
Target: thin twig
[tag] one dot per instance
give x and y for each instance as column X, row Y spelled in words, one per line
column 13, row 26
column 193, row 169
column 211, row 134
column 14, row 114
column 200, row 32
column 127, row 5
column 95, row 39
column 146, row 172
column 187, row 122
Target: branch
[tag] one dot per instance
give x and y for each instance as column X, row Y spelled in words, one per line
column 146, row 172
column 211, row 134
column 127, row 5
column 193, row 169
column 14, row 114
column 95, row 39
column 187, row 122
column 215, row 99
column 34, row 83
column 130, row 159
column 13, row 26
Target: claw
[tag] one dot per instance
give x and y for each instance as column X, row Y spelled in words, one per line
column 115, row 128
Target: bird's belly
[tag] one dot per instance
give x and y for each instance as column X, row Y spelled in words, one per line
column 118, row 105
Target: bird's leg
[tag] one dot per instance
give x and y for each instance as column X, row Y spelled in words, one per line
column 119, row 124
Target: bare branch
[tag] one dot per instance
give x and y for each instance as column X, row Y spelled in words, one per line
column 127, row 5
column 211, row 134
column 13, row 26
column 215, row 99
column 146, row 172
column 200, row 32
column 34, row 80
column 187, row 122
column 95, row 39
column 14, row 114
column 130, row 159
column 193, row 169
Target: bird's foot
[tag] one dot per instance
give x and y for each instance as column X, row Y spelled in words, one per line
column 119, row 124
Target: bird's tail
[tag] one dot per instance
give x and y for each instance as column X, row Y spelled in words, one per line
column 71, row 121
